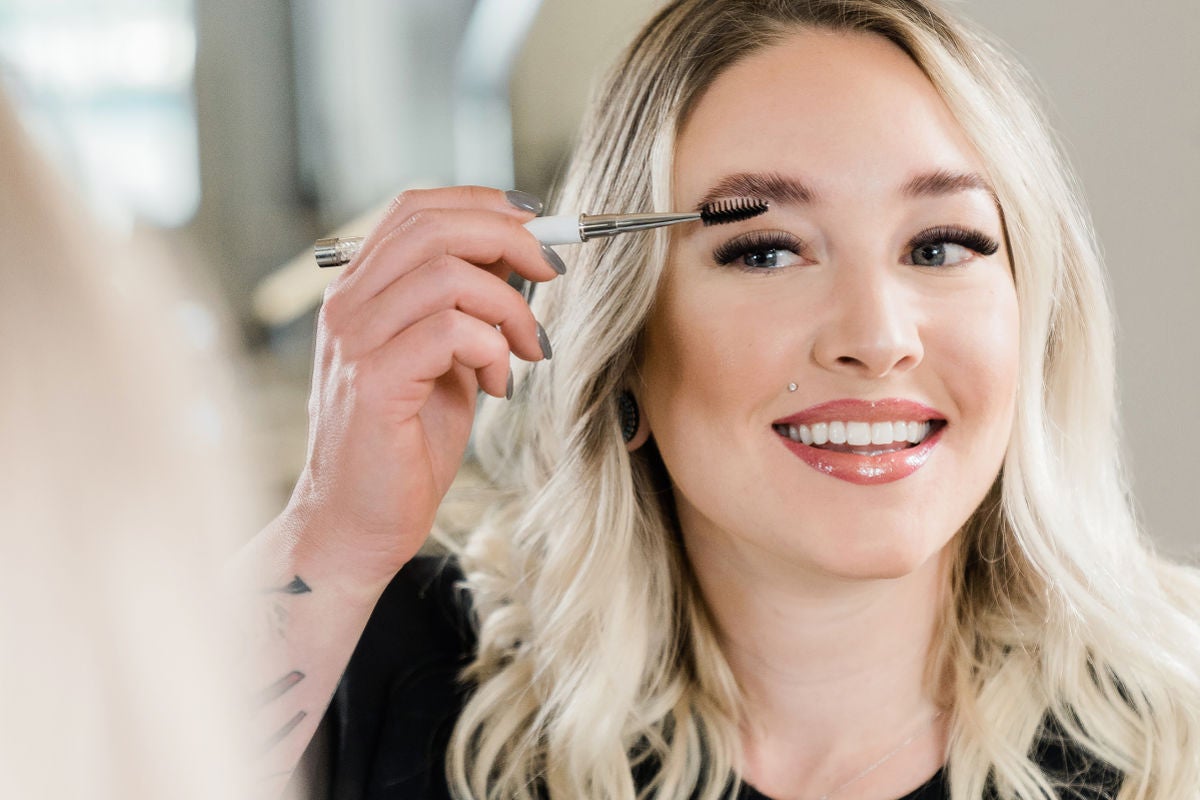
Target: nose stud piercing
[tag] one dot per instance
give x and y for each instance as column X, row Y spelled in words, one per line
column 792, row 387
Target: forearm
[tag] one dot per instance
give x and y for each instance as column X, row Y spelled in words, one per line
column 305, row 611
column 419, row 322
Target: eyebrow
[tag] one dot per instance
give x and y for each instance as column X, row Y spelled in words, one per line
column 770, row 186
column 777, row 188
column 944, row 181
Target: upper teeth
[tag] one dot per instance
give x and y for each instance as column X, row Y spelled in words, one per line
column 857, row 434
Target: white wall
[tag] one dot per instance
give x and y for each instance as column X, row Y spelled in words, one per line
column 1121, row 85
column 1124, row 88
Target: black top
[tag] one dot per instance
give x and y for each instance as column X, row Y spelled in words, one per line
column 387, row 729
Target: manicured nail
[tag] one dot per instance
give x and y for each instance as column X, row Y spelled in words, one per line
column 554, row 259
column 544, row 343
column 524, row 201
column 508, row 390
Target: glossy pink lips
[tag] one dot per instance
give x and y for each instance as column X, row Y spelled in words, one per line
column 859, row 469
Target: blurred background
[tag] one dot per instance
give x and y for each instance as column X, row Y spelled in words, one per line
column 234, row 134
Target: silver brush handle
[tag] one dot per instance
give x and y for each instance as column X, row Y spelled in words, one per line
column 335, row 252
column 557, row 229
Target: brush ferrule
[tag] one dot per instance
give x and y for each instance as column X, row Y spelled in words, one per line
column 596, row 225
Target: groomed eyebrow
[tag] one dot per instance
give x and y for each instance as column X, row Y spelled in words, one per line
column 770, row 186
column 944, row 181
column 777, row 188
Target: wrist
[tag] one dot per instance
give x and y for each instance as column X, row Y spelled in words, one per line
column 321, row 553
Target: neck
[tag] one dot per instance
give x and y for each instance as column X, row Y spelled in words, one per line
column 833, row 672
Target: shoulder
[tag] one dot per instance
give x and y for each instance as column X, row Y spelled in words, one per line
column 1072, row 771
column 1075, row 773
column 422, row 621
column 427, row 600
column 397, row 702
column 424, row 615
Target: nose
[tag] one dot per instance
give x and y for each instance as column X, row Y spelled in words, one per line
column 871, row 329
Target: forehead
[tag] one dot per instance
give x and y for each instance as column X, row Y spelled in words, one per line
column 851, row 112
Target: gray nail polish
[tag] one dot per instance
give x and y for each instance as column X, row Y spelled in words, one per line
column 554, row 259
column 524, row 201
column 508, row 390
column 544, row 342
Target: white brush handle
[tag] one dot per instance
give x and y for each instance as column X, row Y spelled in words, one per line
column 559, row 229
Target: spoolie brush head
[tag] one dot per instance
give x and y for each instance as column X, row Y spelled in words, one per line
column 721, row 211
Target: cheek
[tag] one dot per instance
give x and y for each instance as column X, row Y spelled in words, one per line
column 706, row 352
column 977, row 350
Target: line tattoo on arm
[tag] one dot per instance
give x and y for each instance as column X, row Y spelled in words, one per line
column 282, row 733
column 277, row 614
column 279, row 688
column 274, row 692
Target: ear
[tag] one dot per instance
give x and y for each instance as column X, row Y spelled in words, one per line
column 634, row 428
column 639, row 438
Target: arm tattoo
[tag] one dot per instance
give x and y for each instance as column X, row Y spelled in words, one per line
column 277, row 615
column 297, row 586
column 282, row 733
column 279, row 688
column 279, row 618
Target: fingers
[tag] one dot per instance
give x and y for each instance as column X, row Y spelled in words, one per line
column 495, row 242
column 442, row 284
column 476, row 224
column 430, row 284
column 424, row 352
column 405, row 204
column 518, row 204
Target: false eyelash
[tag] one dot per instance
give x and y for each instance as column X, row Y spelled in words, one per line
column 972, row 240
column 753, row 242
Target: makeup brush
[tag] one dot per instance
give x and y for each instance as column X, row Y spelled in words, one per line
column 576, row 228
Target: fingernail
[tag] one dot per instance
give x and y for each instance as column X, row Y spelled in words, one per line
column 544, row 342
column 554, row 259
column 524, row 201
column 508, row 390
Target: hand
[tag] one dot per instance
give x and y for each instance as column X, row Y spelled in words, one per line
column 418, row 322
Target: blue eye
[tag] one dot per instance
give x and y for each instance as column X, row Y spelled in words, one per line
column 767, row 259
column 936, row 255
column 948, row 247
column 760, row 251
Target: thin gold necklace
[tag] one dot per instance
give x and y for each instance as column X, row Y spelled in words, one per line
column 912, row 738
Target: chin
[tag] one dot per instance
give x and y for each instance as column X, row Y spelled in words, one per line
column 894, row 558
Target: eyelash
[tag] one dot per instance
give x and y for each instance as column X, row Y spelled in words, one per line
column 760, row 241
column 755, row 242
column 972, row 240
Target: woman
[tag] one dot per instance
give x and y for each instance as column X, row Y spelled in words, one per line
column 866, row 536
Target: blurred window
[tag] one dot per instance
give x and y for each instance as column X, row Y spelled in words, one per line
column 106, row 86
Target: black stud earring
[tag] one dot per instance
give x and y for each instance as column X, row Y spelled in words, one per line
column 627, row 408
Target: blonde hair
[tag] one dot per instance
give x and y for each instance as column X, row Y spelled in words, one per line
column 596, row 653
column 120, row 496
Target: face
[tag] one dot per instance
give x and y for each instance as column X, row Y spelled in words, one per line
column 783, row 350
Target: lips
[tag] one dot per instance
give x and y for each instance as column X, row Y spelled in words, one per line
column 859, row 461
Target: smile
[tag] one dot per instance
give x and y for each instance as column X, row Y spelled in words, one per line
column 863, row 451
column 861, row 438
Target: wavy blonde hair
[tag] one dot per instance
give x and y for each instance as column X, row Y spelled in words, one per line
column 597, row 656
